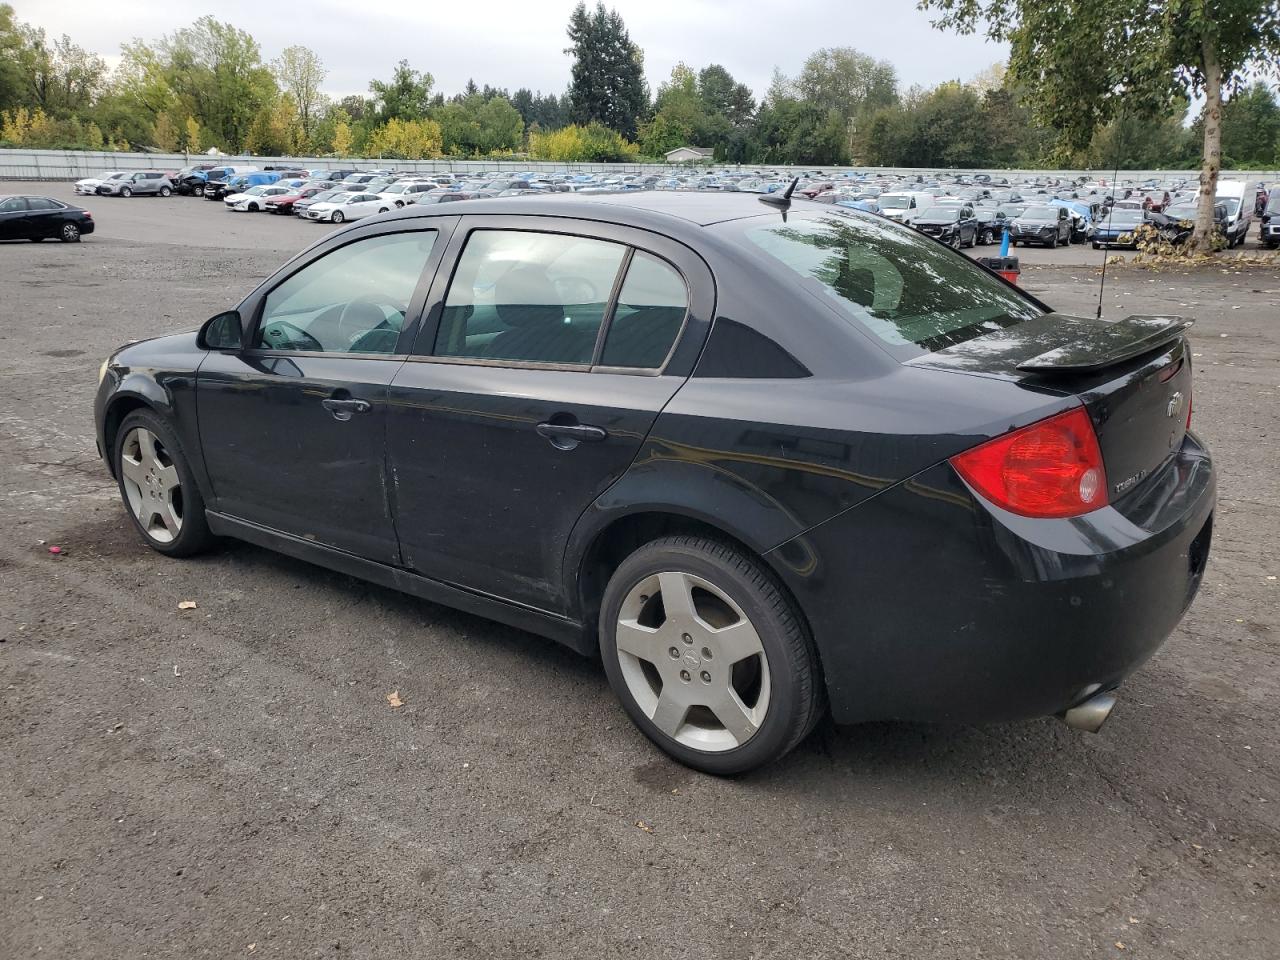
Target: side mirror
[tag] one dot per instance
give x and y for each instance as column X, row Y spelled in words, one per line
column 222, row 332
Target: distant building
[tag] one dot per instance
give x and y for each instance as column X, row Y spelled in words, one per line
column 686, row 154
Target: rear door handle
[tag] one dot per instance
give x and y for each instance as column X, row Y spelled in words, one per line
column 343, row 409
column 566, row 436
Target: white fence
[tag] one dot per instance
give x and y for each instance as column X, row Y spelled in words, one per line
column 75, row 164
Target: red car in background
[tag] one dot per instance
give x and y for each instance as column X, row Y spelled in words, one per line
column 285, row 202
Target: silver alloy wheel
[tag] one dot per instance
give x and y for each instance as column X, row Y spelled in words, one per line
column 151, row 485
column 70, row 233
column 692, row 661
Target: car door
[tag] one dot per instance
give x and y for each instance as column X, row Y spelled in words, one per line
column 14, row 219
column 536, row 376
column 292, row 427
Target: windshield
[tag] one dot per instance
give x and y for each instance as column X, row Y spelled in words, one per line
column 906, row 289
column 254, row 191
column 1040, row 213
column 1273, row 205
column 895, row 203
column 940, row 213
column 326, row 195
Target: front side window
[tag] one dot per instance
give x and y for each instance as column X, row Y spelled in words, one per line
column 532, row 297
column 352, row 300
column 901, row 286
column 649, row 315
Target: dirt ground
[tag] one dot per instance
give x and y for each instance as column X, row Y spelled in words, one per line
column 231, row 780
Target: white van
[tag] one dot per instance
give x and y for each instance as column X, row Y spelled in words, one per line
column 905, row 206
column 1239, row 198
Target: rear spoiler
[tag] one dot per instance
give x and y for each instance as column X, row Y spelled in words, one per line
column 1107, row 344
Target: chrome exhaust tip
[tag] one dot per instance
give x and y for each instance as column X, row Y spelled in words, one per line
column 1091, row 714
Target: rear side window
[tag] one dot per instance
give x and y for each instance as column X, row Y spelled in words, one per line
column 650, row 312
column 903, row 287
column 528, row 297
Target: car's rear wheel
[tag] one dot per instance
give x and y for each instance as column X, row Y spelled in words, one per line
column 157, row 487
column 708, row 655
column 165, row 191
column 126, row 192
column 69, row 233
column 337, row 216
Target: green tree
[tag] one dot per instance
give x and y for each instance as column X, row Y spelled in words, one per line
column 1143, row 56
column 191, row 135
column 62, row 78
column 217, row 71
column 12, row 84
column 1251, row 128
column 299, row 71
column 406, row 96
column 607, row 83
column 164, row 133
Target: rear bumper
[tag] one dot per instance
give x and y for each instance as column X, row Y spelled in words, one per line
column 928, row 604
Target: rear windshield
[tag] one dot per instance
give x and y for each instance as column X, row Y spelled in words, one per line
column 906, row 289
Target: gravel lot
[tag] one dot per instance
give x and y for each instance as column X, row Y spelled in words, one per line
column 231, row 781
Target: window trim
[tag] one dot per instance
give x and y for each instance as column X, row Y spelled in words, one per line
column 253, row 306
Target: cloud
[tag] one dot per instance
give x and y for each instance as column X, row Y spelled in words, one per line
column 511, row 44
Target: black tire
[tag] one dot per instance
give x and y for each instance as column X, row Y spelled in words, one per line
column 383, row 209
column 198, row 190
column 253, row 208
column 1053, row 242
column 1097, row 245
column 338, row 216
column 797, row 698
column 956, row 242
column 126, row 192
column 69, row 233
column 194, row 537
column 988, row 238
column 165, row 192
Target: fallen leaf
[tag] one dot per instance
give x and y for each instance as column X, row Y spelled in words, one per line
column 1119, row 945
column 187, row 605
column 393, row 698
column 644, row 826
column 1134, row 920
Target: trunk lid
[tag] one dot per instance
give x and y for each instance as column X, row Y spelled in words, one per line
column 1133, row 376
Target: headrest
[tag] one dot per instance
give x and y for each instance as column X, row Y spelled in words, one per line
column 524, row 296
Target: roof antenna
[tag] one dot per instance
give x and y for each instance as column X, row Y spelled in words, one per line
column 783, row 201
column 1106, row 249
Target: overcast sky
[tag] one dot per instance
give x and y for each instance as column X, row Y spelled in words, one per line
column 515, row 43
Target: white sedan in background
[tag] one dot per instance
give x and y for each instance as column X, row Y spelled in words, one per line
column 89, row 185
column 255, row 198
column 348, row 206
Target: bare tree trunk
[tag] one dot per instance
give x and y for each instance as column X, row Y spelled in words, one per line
column 1211, row 162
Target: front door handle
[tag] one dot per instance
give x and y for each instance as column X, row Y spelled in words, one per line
column 343, row 409
column 566, row 436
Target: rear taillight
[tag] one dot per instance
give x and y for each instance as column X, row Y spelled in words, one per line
column 1052, row 468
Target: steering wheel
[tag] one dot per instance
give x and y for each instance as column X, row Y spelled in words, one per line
column 347, row 316
column 283, row 335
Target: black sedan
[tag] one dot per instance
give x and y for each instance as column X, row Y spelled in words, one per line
column 1042, row 224
column 766, row 463
column 955, row 226
column 42, row 218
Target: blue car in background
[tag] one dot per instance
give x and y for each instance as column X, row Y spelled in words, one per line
column 1117, row 224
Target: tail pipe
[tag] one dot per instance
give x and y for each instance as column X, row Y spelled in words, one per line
column 1089, row 715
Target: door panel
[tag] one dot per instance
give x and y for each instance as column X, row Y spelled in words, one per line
column 278, row 456
column 482, row 498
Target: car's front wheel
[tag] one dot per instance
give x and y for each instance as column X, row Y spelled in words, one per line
column 69, row 233
column 988, row 238
column 708, row 655
column 157, row 486
column 198, row 190
column 337, row 216
column 126, row 192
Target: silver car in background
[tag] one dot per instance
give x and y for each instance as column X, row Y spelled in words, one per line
column 89, row 185
column 142, row 183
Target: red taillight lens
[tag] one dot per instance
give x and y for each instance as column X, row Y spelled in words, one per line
column 1052, row 468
